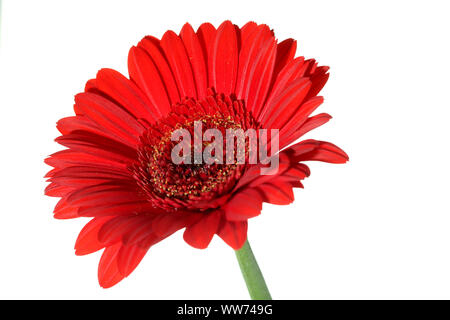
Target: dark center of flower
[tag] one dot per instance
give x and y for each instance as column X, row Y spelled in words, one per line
column 186, row 180
column 190, row 184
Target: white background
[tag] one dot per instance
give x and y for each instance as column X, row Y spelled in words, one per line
column 377, row 227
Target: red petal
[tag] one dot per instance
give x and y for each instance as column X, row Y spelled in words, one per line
column 310, row 150
column 129, row 258
column 285, row 53
column 253, row 176
column 166, row 224
column 247, row 30
column 87, row 241
column 244, row 205
column 81, row 123
column 144, row 72
column 91, row 86
column 233, row 233
column 310, row 124
column 200, row 234
column 197, row 59
column 153, row 48
column 109, row 117
column 224, row 59
column 66, row 158
column 97, row 145
column 253, row 41
column 300, row 148
column 256, row 64
column 56, row 190
column 70, row 124
column 115, row 229
column 318, row 79
column 179, row 63
column 300, row 116
column 292, row 71
column 67, row 213
column 138, row 234
column 284, row 106
column 206, row 34
column 297, row 171
column 127, row 208
column 108, row 270
column 125, row 92
column 262, row 76
column 98, row 195
column 84, row 176
column 277, row 193
column 326, row 152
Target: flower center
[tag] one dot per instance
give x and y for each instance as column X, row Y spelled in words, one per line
column 190, row 183
column 186, row 180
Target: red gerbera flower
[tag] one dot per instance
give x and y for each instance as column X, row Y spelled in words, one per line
column 117, row 167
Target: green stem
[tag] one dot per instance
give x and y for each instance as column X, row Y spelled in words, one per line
column 252, row 274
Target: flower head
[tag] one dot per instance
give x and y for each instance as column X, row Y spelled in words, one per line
column 118, row 167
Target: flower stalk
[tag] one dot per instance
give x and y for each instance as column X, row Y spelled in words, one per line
column 253, row 277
